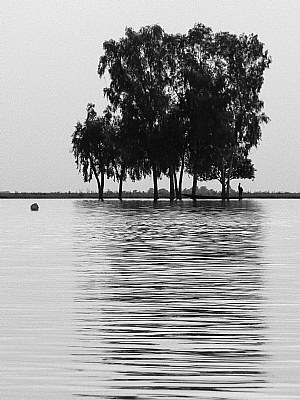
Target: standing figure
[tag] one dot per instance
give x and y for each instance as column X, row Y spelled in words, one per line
column 240, row 189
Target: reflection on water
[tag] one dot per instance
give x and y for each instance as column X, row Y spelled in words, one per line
column 169, row 300
column 134, row 301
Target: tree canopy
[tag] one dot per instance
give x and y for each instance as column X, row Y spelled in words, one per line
column 177, row 103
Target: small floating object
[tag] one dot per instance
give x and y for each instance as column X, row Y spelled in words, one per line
column 34, row 207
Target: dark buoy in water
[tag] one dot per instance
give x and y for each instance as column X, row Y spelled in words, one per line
column 34, row 207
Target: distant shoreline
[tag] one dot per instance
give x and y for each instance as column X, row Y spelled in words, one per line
column 136, row 195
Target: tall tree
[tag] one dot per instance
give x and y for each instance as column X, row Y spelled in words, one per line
column 241, row 61
column 177, row 102
column 197, row 99
column 138, row 89
column 91, row 148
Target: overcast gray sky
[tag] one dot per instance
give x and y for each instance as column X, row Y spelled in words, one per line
column 50, row 52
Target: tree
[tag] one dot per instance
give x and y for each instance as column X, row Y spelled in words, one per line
column 116, row 149
column 90, row 146
column 178, row 103
column 241, row 62
column 240, row 167
column 138, row 90
column 197, row 99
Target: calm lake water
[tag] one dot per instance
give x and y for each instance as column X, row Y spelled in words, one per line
column 135, row 301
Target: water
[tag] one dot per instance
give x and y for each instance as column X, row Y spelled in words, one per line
column 135, row 301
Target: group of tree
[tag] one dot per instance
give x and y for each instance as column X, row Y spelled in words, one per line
column 177, row 104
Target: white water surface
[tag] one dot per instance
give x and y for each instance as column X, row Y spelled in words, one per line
column 139, row 301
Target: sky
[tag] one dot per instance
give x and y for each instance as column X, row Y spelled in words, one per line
column 49, row 57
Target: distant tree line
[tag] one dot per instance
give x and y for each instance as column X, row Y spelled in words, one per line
column 134, row 194
column 177, row 104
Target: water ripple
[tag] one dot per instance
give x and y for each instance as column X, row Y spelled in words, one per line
column 171, row 302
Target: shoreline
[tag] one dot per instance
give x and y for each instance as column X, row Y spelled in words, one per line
column 139, row 195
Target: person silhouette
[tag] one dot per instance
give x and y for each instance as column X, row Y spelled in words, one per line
column 240, row 189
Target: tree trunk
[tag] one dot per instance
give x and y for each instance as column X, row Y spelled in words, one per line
column 100, row 196
column 223, row 190
column 195, row 181
column 171, row 174
column 229, row 174
column 102, row 176
column 155, row 187
column 120, row 188
column 99, row 186
column 121, row 184
column 228, row 187
column 176, row 185
column 223, row 183
column 181, row 179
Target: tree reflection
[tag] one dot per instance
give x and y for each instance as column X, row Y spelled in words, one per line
column 170, row 301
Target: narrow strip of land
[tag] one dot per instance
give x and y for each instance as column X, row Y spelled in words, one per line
column 143, row 195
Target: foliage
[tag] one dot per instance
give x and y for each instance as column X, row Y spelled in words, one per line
column 177, row 103
column 92, row 148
